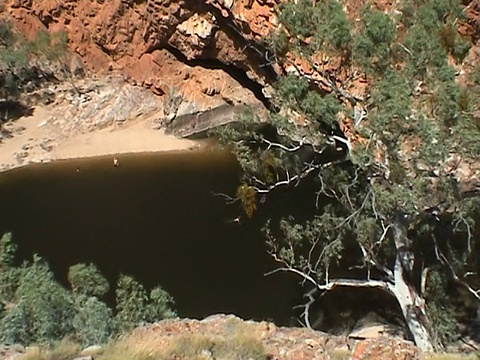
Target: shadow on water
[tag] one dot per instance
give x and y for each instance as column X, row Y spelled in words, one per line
column 153, row 217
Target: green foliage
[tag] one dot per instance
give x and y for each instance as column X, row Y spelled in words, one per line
column 7, row 38
column 395, row 159
column 431, row 34
column 322, row 110
column 135, row 306
column 159, row 306
column 325, row 24
column 372, row 43
column 292, row 89
column 475, row 75
column 392, row 101
column 445, row 106
column 93, row 322
column 35, row 308
column 50, row 47
column 440, row 308
column 453, row 42
column 425, row 51
column 7, row 252
column 131, row 298
column 17, row 55
column 42, row 312
column 12, row 53
column 87, row 280
column 9, row 274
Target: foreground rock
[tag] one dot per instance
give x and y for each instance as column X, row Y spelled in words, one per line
column 278, row 342
column 227, row 337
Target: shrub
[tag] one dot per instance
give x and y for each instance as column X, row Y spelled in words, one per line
column 197, row 347
column 326, row 24
column 453, row 42
column 93, row 322
column 35, row 308
column 321, row 109
column 426, row 51
column 159, row 306
column 391, row 98
column 373, row 41
column 7, row 38
column 87, row 280
column 43, row 309
column 8, row 273
column 135, row 306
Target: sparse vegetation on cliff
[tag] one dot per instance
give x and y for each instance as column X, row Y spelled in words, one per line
column 24, row 62
column 395, row 197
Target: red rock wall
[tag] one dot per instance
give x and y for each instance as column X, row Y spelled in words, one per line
column 132, row 37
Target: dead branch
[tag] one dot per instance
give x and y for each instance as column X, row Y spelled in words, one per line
column 306, row 311
column 294, row 148
column 469, row 232
column 369, row 260
column 444, row 261
column 288, row 181
column 229, row 200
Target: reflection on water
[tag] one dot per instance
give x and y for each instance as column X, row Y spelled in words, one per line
column 153, row 217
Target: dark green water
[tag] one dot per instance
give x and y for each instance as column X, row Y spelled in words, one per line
column 153, row 217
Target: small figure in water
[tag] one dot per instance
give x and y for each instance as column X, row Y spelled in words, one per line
column 237, row 220
column 115, row 162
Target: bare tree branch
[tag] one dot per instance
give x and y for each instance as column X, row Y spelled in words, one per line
column 469, row 232
column 229, row 199
column 288, row 181
column 444, row 261
column 281, row 146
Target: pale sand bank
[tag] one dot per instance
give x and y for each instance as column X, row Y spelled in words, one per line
column 32, row 139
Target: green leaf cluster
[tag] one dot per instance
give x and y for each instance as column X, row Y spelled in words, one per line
column 317, row 26
column 294, row 92
column 373, row 41
column 135, row 306
column 36, row 308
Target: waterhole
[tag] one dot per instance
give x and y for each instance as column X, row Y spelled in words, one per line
column 154, row 217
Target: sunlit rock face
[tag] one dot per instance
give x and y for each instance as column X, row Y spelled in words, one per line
column 156, row 43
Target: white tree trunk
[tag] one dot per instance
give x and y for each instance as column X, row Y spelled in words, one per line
column 413, row 309
column 411, row 303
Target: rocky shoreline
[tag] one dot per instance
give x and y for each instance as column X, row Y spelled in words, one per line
column 109, row 117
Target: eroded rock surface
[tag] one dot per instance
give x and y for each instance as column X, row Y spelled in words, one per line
column 207, row 50
column 279, row 343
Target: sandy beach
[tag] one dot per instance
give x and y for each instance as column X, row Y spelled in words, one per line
column 33, row 139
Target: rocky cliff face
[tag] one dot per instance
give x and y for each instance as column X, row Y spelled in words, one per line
column 209, row 51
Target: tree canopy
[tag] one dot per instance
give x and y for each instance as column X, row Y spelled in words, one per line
column 36, row 308
column 393, row 163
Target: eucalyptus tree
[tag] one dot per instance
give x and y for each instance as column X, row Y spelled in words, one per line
column 394, row 167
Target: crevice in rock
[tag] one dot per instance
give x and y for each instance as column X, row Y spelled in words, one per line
column 235, row 30
column 235, row 72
